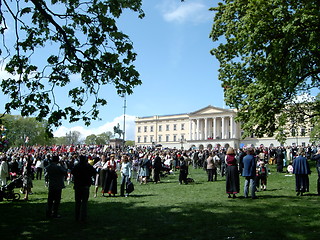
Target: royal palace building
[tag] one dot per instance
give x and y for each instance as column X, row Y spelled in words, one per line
column 206, row 128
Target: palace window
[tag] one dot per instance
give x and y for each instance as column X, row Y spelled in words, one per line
column 174, row 138
column 139, row 129
column 303, row 132
column 151, row 129
column 145, row 128
column 145, row 139
column 160, row 138
column 175, row 127
column 167, row 127
column 167, row 138
column 182, row 126
column 160, row 128
column 139, row 139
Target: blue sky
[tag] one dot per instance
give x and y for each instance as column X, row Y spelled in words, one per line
column 178, row 73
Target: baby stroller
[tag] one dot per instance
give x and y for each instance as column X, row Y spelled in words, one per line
column 7, row 191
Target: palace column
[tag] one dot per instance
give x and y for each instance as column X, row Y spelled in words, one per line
column 222, row 128
column 214, row 128
column 205, row 128
column 210, row 127
column 235, row 129
column 190, row 129
column 231, row 127
column 198, row 126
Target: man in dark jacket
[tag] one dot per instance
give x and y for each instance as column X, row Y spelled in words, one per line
column 55, row 173
column 249, row 172
column 279, row 159
column 82, row 175
column 157, row 166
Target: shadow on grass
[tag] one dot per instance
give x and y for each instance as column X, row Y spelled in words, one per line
column 241, row 219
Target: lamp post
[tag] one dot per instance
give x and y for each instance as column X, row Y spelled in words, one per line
column 181, row 141
column 124, row 118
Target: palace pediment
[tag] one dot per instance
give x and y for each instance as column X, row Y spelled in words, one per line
column 211, row 110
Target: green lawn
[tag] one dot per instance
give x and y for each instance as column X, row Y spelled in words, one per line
column 171, row 211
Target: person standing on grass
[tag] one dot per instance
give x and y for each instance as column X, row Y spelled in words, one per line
column 157, row 166
column 4, row 171
column 301, row 170
column 279, row 160
column 39, row 167
column 232, row 174
column 56, row 175
column 83, row 174
column 210, row 167
column 27, row 175
column 316, row 158
column 184, row 169
column 125, row 174
column 110, row 185
column 98, row 166
column 249, row 172
column 144, row 171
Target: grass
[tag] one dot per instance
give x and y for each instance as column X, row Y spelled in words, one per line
column 200, row 210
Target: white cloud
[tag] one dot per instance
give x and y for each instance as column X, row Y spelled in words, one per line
column 195, row 12
column 86, row 131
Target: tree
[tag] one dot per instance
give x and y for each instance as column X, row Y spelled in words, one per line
column 104, row 138
column 80, row 38
column 73, row 137
column 315, row 132
column 130, row 143
column 25, row 131
column 61, row 140
column 101, row 139
column 269, row 54
column 91, row 139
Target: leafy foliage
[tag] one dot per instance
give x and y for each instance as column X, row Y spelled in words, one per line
column 19, row 129
column 269, row 55
column 73, row 137
column 100, row 139
column 71, row 38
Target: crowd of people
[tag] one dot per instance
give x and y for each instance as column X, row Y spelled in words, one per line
column 100, row 165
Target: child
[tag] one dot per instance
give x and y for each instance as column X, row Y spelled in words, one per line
column 290, row 168
column 258, row 173
column 263, row 173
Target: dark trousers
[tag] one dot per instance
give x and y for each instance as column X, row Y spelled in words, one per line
column 210, row 175
column 156, row 175
column 39, row 173
column 81, row 195
column 223, row 170
column 215, row 174
column 54, row 198
column 183, row 176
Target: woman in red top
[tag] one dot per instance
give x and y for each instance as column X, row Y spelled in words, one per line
column 232, row 174
column 110, row 185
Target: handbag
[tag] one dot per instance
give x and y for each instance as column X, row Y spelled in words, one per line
column 129, row 187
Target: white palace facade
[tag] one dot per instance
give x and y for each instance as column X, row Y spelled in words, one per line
column 206, row 128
